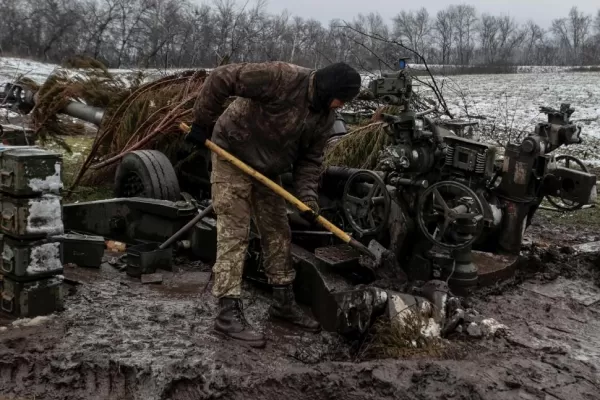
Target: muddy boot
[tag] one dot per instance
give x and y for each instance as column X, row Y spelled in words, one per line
column 285, row 308
column 232, row 323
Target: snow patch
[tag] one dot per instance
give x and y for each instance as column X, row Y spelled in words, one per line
column 52, row 183
column 3, row 328
column 45, row 215
column 474, row 330
column 490, row 327
column 4, row 113
column 44, row 258
column 37, row 321
column 590, row 247
column 521, row 69
column 432, row 329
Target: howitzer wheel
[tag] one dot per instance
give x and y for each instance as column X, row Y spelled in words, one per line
column 558, row 202
column 366, row 203
column 450, row 215
column 147, row 173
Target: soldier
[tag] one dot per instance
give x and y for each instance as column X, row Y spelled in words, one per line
column 280, row 121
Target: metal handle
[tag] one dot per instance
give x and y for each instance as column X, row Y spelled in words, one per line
column 9, row 301
column 5, row 175
column 8, row 216
column 187, row 227
column 7, row 261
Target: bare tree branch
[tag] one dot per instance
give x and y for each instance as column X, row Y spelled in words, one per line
column 433, row 86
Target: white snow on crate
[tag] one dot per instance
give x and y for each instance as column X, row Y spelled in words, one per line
column 4, row 113
column 52, row 183
column 44, row 258
column 45, row 215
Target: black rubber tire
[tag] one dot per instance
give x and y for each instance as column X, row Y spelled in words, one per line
column 154, row 171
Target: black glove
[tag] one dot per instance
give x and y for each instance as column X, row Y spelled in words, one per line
column 311, row 215
column 198, row 135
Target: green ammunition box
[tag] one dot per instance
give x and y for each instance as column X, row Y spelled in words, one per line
column 30, row 218
column 27, row 261
column 82, row 250
column 30, row 171
column 15, row 135
column 31, row 299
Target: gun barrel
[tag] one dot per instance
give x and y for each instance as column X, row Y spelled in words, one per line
column 26, row 98
column 84, row 112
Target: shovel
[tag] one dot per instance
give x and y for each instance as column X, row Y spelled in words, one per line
column 375, row 251
column 186, row 227
column 146, row 258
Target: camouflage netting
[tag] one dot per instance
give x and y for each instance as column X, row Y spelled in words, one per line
column 137, row 115
column 83, row 79
column 147, row 116
column 361, row 146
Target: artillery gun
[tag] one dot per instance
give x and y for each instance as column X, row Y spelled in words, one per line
column 463, row 199
column 447, row 206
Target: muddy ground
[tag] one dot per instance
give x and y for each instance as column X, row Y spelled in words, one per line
column 119, row 339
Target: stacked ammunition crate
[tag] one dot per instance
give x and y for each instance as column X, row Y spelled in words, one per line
column 31, row 264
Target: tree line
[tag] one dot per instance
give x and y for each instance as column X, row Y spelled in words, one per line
column 177, row 33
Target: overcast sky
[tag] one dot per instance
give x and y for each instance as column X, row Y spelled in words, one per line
column 541, row 11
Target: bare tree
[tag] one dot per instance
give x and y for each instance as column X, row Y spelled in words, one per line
column 444, row 33
column 510, row 36
column 98, row 16
column 488, row 35
column 130, row 14
column 534, row 44
column 59, row 19
column 572, row 33
column 414, row 28
column 464, row 32
column 165, row 33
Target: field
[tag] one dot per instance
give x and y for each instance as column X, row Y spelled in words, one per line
column 508, row 105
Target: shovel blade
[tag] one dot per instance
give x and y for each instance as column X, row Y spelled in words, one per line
column 377, row 250
column 383, row 261
column 377, row 255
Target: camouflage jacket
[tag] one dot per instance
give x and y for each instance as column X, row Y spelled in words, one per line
column 270, row 125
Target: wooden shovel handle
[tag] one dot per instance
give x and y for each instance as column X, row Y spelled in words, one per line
column 281, row 192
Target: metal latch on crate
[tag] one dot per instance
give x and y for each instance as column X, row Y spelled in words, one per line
column 8, row 303
column 7, row 263
column 10, row 217
column 4, row 176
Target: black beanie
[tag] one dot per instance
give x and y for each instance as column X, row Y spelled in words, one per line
column 336, row 81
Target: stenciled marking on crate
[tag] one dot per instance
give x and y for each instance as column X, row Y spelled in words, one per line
column 45, row 215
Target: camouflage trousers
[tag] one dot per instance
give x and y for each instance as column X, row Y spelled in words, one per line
column 236, row 199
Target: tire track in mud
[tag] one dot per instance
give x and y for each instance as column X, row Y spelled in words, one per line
column 118, row 339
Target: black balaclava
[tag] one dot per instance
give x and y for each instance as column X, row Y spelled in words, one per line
column 336, row 81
